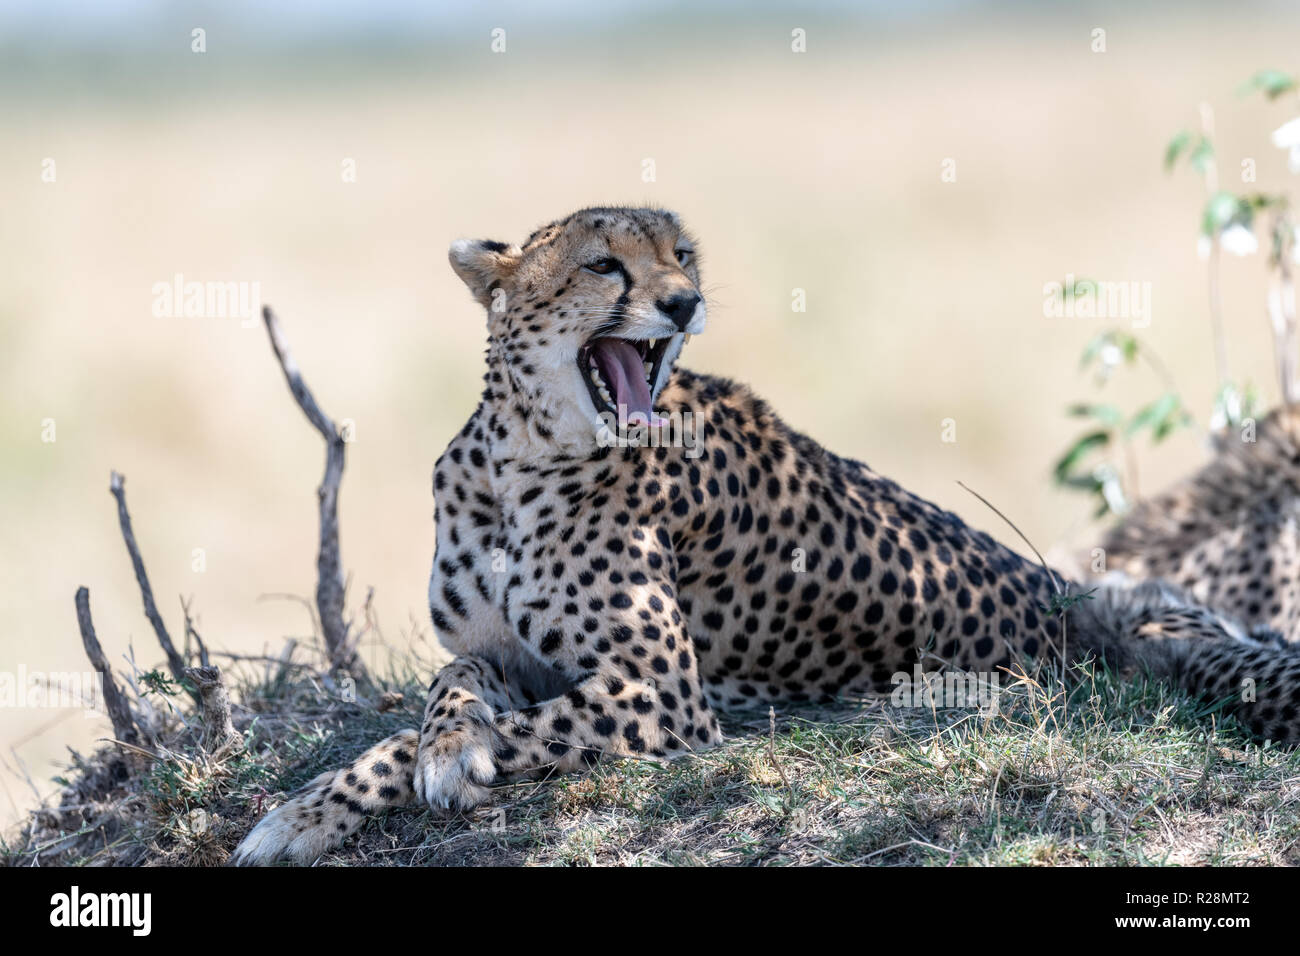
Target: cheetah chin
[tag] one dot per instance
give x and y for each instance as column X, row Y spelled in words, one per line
column 609, row 600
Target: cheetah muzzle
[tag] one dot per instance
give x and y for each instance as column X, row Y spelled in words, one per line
column 620, row 374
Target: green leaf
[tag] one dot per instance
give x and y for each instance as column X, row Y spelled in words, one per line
column 1260, row 201
column 1128, row 344
column 1079, row 289
column 1164, row 416
column 1202, row 156
column 1108, row 415
column 1272, row 83
column 1066, row 464
column 1153, row 415
column 1169, row 424
column 1175, row 148
column 1222, row 210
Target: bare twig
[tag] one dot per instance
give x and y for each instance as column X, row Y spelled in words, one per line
column 771, row 747
column 329, row 574
column 175, row 663
column 131, row 747
column 114, row 702
column 285, row 662
column 218, row 728
column 1051, row 575
column 297, row 599
column 192, row 633
column 282, row 661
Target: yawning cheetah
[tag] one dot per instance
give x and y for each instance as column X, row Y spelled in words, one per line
column 608, row 598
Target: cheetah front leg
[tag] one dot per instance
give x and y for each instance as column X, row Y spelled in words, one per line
column 603, row 716
column 334, row 805
column 636, row 693
column 606, row 715
column 455, row 763
column 463, row 700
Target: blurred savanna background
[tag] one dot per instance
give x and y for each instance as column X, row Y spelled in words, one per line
column 921, row 171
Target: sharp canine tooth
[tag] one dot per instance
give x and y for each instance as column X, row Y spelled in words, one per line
column 649, row 368
column 652, row 343
column 686, row 338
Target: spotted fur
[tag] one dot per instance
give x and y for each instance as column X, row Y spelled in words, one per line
column 1230, row 534
column 609, row 601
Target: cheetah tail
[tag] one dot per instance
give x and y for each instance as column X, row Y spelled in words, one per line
column 1158, row 628
column 334, row 805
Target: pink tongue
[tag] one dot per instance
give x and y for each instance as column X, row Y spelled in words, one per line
column 624, row 372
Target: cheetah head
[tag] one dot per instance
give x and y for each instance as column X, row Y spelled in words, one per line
column 587, row 318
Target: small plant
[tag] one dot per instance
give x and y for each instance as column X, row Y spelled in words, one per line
column 1062, row 601
column 156, row 682
column 1101, row 461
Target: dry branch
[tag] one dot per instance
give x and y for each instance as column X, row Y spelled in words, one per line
column 192, row 634
column 175, row 663
column 329, row 574
column 218, row 728
column 114, row 702
column 285, row 661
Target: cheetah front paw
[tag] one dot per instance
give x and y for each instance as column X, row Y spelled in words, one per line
column 455, row 768
column 293, row 831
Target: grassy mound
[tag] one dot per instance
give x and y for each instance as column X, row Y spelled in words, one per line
column 1114, row 772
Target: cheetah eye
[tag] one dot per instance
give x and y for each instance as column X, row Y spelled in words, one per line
column 602, row 267
column 683, row 256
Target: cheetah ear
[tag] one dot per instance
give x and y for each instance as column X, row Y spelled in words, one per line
column 483, row 264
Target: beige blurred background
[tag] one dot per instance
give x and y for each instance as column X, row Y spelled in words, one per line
column 818, row 171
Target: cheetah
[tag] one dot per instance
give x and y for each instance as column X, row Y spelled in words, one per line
column 606, row 595
column 1228, row 534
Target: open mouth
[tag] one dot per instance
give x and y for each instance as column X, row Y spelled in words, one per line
column 621, row 373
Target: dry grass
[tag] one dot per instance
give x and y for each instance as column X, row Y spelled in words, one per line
column 1115, row 773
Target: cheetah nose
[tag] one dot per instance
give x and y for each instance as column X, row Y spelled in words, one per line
column 680, row 308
